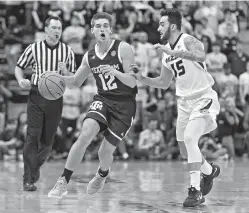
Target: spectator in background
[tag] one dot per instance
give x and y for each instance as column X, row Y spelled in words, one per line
column 230, row 19
column 210, row 149
column 70, row 114
column 212, row 11
column 244, row 85
column 227, row 121
column 246, row 123
column 73, row 35
column 215, row 61
column 228, row 83
column 238, row 60
column 13, row 38
column 207, row 30
column 237, row 12
column 198, row 33
column 150, row 142
column 229, row 41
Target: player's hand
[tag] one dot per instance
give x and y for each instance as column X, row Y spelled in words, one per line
column 25, row 83
column 108, row 70
column 163, row 48
column 62, row 67
column 136, row 71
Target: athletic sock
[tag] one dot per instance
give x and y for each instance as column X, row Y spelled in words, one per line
column 206, row 168
column 67, row 174
column 195, row 178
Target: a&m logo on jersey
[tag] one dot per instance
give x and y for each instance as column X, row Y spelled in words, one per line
column 96, row 105
column 113, row 53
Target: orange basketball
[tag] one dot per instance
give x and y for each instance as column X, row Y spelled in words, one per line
column 51, row 85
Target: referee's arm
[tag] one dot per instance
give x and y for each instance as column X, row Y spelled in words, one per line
column 70, row 65
column 23, row 62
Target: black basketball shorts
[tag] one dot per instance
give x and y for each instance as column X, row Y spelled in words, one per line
column 115, row 117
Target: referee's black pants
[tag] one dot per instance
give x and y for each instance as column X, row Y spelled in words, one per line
column 43, row 117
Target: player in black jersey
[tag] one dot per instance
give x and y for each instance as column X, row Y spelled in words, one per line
column 112, row 109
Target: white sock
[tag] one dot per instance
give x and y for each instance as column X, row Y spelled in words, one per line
column 195, row 178
column 206, row 168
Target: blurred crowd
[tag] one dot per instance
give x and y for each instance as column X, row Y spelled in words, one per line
column 217, row 24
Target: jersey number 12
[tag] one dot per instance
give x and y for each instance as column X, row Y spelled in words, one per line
column 178, row 68
column 109, row 85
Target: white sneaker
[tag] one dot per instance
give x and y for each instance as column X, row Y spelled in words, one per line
column 96, row 184
column 60, row 189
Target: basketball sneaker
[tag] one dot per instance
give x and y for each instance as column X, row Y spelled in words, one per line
column 96, row 184
column 60, row 188
column 194, row 198
column 207, row 180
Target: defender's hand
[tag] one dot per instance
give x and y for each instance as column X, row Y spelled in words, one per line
column 136, row 71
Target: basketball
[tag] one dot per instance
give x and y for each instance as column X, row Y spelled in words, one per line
column 51, row 85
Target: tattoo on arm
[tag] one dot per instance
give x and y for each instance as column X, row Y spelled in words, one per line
column 195, row 50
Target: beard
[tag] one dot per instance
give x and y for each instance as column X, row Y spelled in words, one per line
column 166, row 36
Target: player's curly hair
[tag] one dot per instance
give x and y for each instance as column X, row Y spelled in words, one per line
column 174, row 16
column 101, row 15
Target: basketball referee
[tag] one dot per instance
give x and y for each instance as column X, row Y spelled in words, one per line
column 43, row 115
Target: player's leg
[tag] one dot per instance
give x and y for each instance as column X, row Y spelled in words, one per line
column 119, row 123
column 194, row 130
column 30, row 149
column 105, row 154
column 94, row 122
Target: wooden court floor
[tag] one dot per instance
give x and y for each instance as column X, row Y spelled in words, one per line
column 133, row 187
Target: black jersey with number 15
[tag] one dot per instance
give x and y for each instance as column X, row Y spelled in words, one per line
column 110, row 86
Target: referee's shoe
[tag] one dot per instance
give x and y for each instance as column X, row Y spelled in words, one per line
column 29, row 187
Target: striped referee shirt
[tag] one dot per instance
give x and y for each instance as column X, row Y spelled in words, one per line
column 43, row 58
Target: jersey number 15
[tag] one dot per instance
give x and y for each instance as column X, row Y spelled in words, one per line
column 110, row 84
column 178, row 68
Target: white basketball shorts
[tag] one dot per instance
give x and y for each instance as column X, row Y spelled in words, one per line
column 204, row 105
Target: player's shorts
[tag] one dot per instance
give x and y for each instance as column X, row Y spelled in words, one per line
column 115, row 117
column 205, row 105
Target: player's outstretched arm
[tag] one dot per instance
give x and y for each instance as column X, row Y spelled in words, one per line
column 195, row 49
column 81, row 74
column 163, row 81
column 127, row 57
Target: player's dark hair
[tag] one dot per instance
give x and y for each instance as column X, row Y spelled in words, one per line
column 102, row 15
column 174, row 16
column 47, row 22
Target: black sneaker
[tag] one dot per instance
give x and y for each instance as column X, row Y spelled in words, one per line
column 29, row 187
column 194, row 198
column 207, row 180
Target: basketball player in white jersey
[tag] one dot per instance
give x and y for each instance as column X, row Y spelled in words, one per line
column 184, row 59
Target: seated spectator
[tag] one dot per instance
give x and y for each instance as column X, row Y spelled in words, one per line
column 215, row 61
column 227, row 121
column 207, row 30
column 73, row 35
column 229, row 41
column 244, row 85
column 151, row 142
column 230, row 19
column 13, row 41
column 70, row 114
column 228, row 83
column 246, row 124
column 211, row 150
column 238, row 60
